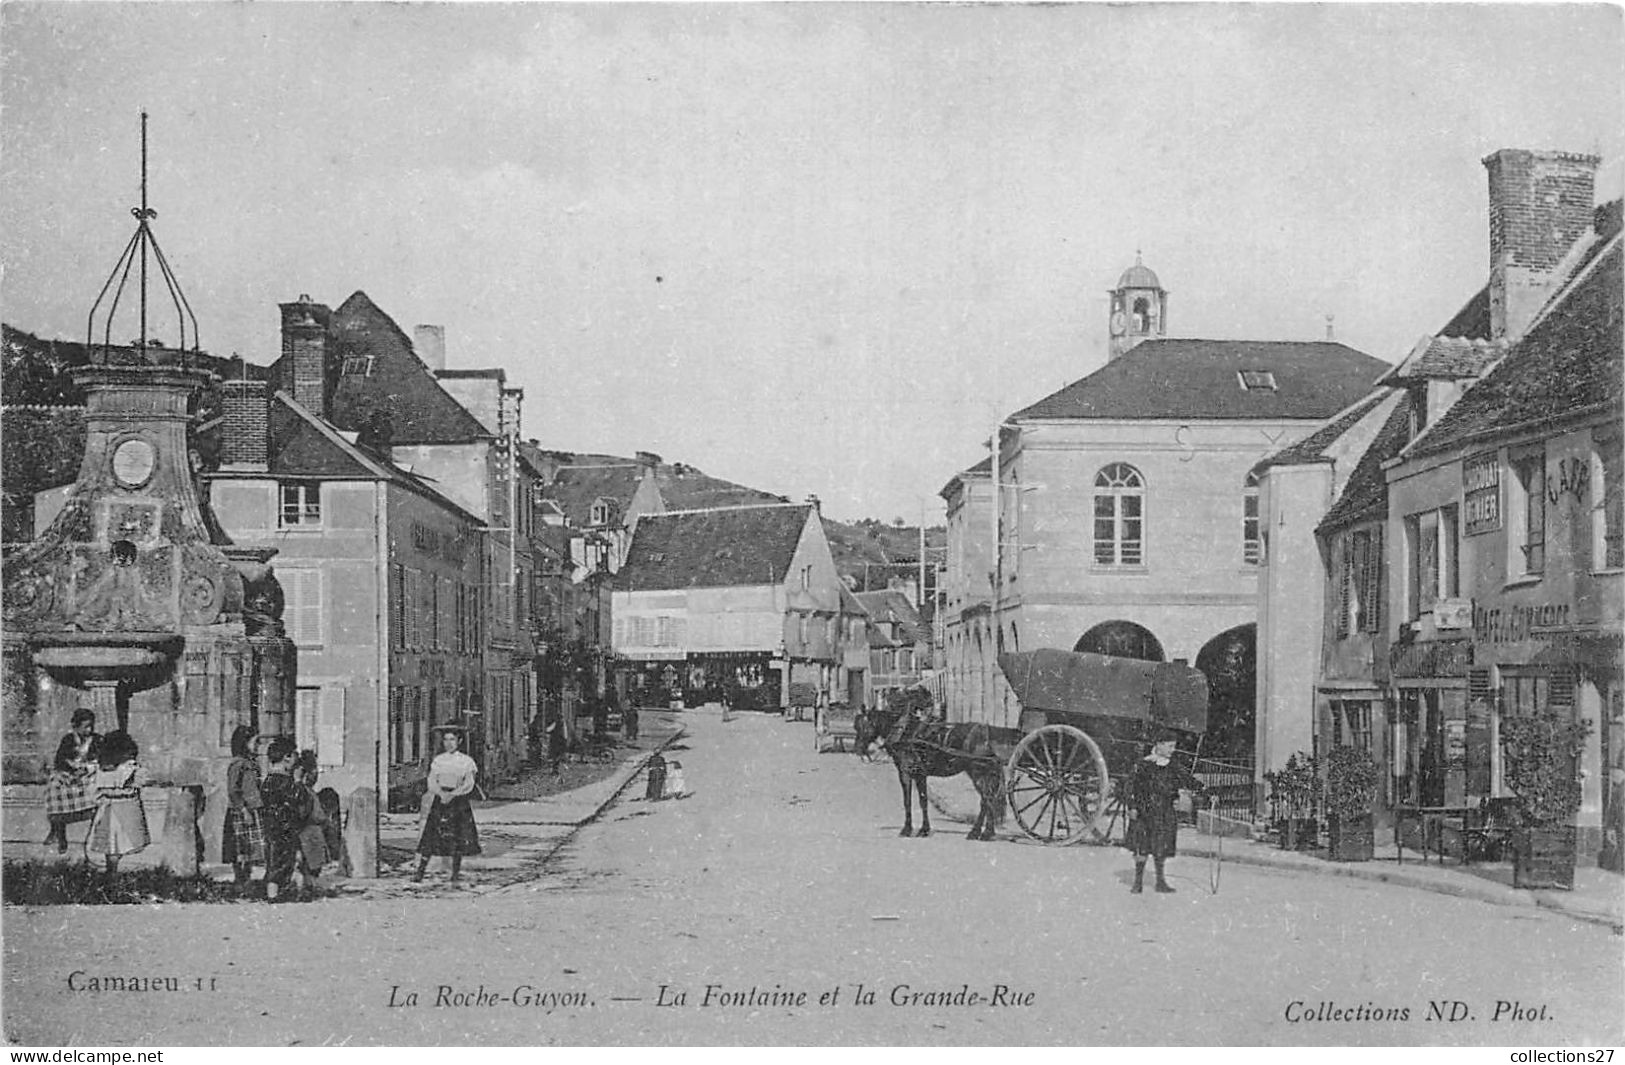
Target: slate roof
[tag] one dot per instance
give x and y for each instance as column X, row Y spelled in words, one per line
column 1199, row 379
column 1312, row 448
column 302, row 445
column 891, row 605
column 1365, row 493
column 1446, row 357
column 1473, row 320
column 585, row 479
column 399, row 385
column 714, row 548
column 1569, row 362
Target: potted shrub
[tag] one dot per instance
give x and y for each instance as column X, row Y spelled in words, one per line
column 1293, row 790
column 1351, row 790
column 1540, row 766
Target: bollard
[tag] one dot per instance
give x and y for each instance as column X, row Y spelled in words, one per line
column 179, row 853
column 361, row 833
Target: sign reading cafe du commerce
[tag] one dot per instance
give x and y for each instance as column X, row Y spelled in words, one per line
column 1481, row 494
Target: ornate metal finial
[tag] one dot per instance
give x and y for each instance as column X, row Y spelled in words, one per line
column 142, row 242
column 1137, row 260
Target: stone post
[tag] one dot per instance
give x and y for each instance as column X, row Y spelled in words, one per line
column 361, row 833
column 180, row 848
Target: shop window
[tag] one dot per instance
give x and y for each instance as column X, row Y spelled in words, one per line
column 1119, row 524
column 1528, row 519
column 1251, row 547
column 301, row 505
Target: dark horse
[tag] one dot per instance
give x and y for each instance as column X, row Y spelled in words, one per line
column 921, row 749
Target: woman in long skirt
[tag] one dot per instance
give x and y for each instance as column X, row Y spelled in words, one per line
column 69, row 794
column 242, row 843
column 120, row 825
column 448, row 823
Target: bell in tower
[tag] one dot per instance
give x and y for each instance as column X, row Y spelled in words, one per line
column 1139, row 308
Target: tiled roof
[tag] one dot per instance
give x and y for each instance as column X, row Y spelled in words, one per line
column 1365, row 493
column 300, row 449
column 1312, row 448
column 1201, row 379
column 1446, row 356
column 891, row 605
column 582, row 482
column 714, row 548
column 303, row 445
column 1473, row 320
column 850, row 604
column 1570, row 361
column 399, row 385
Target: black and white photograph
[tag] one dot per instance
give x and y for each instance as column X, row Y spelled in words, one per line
column 812, row 524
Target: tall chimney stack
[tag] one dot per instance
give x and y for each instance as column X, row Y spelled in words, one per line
column 244, row 430
column 1541, row 204
column 429, row 341
column 304, row 353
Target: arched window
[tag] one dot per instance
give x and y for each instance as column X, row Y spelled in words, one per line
column 1251, row 546
column 1142, row 314
column 1119, row 516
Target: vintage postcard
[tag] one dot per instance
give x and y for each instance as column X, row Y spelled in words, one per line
column 812, row 524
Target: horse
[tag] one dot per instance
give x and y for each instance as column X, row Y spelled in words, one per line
column 921, row 749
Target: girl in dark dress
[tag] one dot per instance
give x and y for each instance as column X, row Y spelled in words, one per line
column 242, row 842
column 1153, row 827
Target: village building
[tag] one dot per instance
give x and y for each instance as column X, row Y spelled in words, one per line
column 734, row 602
column 1505, row 516
column 899, row 643
column 1126, row 509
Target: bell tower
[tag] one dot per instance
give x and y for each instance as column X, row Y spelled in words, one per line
column 1139, row 309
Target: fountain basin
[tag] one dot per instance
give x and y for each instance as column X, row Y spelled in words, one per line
column 81, row 657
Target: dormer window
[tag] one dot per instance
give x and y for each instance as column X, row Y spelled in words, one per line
column 1256, row 380
column 358, row 366
column 600, row 513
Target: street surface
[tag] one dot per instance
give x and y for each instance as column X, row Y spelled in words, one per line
column 705, row 920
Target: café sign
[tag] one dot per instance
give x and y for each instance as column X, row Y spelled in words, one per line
column 1481, row 494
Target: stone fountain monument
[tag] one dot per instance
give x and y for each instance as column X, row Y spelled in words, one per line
column 134, row 605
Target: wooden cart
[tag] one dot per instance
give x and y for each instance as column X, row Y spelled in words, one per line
column 1084, row 719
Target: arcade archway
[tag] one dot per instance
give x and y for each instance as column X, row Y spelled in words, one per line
column 1124, row 639
column 1230, row 661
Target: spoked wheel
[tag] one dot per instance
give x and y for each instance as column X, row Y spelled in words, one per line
column 1057, row 784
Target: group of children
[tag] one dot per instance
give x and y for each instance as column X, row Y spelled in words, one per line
column 281, row 821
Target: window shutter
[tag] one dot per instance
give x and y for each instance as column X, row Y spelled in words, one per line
column 1562, row 686
column 1372, row 617
column 1345, row 548
column 329, row 732
column 397, row 600
column 1479, row 685
column 302, row 612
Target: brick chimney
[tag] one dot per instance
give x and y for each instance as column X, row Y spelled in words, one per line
column 245, row 427
column 304, row 353
column 1541, row 204
column 429, row 341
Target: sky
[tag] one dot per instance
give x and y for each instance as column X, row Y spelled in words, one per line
column 812, row 248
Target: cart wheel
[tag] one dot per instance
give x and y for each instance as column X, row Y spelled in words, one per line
column 1057, row 784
